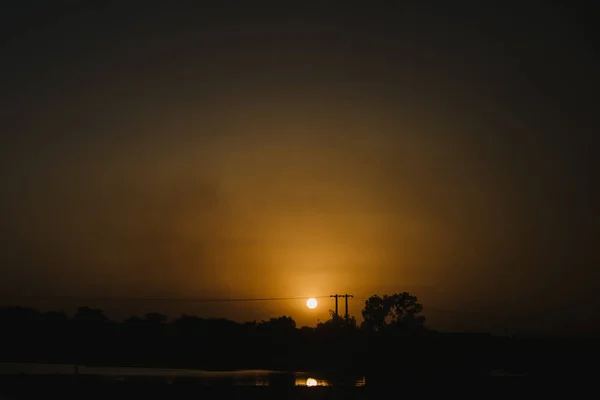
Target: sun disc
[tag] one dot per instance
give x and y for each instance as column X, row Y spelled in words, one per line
column 312, row 303
column 311, row 382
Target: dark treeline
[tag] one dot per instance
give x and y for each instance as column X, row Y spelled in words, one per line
column 392, row 339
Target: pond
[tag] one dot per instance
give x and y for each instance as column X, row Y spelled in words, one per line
column 233, row 378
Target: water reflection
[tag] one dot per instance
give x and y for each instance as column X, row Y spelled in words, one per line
column 311, row 382
column 301, row 380
column 173, row 376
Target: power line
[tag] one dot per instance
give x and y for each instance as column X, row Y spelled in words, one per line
column 426, row 310
column 164, row 299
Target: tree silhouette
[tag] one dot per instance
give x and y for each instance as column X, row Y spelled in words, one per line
column 398, row 312
column 335, row 346
column 375, row 312
column 55, row 317
column 87, row 314
column 18, row 315
column 279, row 325
column 404, row 310
column 336, row 324
column 156, row 318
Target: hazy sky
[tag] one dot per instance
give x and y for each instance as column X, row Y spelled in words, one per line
column 177, row 149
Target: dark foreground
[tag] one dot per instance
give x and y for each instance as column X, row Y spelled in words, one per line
column 87, row 387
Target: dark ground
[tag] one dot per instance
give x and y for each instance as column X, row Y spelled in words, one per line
column 395, row 364
column 29, row 387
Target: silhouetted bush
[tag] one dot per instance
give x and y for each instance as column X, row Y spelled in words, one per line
column 392, row 340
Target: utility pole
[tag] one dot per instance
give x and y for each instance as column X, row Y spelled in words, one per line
column 346, row 296
column 347, row 313
column 336, row 303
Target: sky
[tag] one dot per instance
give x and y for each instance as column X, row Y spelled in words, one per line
column 246, row 150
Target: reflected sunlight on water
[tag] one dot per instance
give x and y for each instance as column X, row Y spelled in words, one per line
column 233, row 378
column 311, row 382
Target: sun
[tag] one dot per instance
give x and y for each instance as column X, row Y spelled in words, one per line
column 312, row 303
